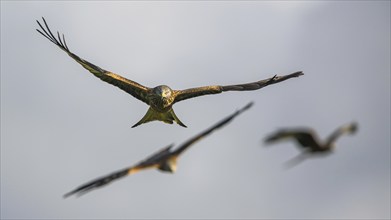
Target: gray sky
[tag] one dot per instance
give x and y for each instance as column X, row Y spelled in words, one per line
column 61, row 126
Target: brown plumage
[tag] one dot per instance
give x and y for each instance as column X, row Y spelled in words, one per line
column 160, row 98
column 163, row 160
column 308, row 140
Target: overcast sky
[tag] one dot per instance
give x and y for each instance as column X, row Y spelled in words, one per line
column 62, row 127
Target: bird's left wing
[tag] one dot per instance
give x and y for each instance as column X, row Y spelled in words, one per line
column 305, row 137
column 208, row 90
column 129, row 86
column 345, row 129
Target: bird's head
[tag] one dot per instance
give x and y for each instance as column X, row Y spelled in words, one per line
column 168, row 165
column 162, row 91
column 162, row 96
column 352, row 127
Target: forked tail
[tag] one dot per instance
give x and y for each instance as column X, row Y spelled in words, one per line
column 167, row 117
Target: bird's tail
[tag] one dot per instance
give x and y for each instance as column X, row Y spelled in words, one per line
column 295, row 160
column 167, row 117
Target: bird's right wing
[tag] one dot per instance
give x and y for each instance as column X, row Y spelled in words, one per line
column 129, row 86
column 220, row 124
column 102, row 181
column 151, row 162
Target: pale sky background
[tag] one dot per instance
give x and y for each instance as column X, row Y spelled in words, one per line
column 62, row 127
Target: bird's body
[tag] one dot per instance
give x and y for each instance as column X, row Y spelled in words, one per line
column 164, row 160
column 160, row 98
column 308, row 140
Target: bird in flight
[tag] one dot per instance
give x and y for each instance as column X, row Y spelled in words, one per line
column 160, row 98
column 308, row 140
column 164, row 160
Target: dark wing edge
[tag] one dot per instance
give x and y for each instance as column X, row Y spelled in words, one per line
column 209, row 90
column 262, row 83
column 129, row 86
column 220, row 124
column 97, row 183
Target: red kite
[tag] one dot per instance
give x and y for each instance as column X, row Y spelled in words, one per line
column 160, row 98
column 164, row 160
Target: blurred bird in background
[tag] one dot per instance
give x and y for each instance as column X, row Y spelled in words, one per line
column 164, row 160
column 308, row 141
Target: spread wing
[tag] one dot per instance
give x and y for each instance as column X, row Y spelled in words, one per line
column 306, row 138
column 207, row 90
column 345, row 129
column 220, row 124
column 151, row 162
column 129, row 86
column 101, row 181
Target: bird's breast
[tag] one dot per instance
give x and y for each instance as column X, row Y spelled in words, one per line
column 159, row 103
